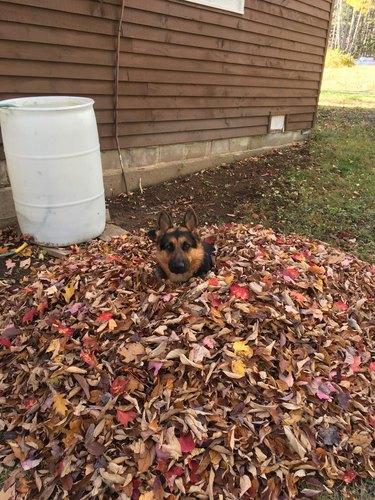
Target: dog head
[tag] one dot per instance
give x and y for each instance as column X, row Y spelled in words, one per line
column 180, row 251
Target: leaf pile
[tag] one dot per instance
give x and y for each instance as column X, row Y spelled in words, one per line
column 256, row 381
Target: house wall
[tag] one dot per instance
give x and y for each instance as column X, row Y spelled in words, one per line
column 189, row 74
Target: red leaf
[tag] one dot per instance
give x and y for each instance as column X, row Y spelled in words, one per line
column 289, row 274
column 325, row 390
column 349, row 476
column 193, row 466
column 171, row 475
column 106, row 316
column 89, row 358
column 42, row 307
column 340, row 306
column 257, row 255
column 213, row 282
column 187, row 443
column 65, row 330
column 113, row 258
column 29, row 315
column 5, row 342
column 299, row 257
column 118, row 386
column 124, row 417
column 372, row 421
column 30, row 402
column 210, row 240
column 162, row 465
column 240, row 292
column 355, row 366
column 298, row 296
column 216, row 302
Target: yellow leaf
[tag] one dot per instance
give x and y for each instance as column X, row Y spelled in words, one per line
column 228, row 279
column 239, row 367
column 147, row 496
column 69, row 292
column 319, row 285
column 241, row 349
column 123, row 236
column 54, row 345
column 59, row 404
column 26, row 252
column 111, row 325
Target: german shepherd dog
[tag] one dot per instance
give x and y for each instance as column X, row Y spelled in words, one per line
column 181, row 253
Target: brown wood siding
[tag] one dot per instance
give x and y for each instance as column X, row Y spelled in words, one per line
column 187, row 72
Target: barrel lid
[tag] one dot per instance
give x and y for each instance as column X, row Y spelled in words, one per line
column 46, row 103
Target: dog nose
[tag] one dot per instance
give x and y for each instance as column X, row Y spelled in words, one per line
column 178, row 266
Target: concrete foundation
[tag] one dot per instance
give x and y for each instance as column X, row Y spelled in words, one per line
column 153, row 165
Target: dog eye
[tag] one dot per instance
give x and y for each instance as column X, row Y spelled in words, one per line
column 170, row 247
column 186, row 246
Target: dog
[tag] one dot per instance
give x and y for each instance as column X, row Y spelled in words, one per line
column 181, row 253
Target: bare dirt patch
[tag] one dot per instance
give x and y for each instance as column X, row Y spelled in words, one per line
column 227, row 193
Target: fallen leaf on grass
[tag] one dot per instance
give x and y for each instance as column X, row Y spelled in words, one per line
column 349, row 476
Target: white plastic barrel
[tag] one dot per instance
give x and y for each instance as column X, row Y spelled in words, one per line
column 53, row 158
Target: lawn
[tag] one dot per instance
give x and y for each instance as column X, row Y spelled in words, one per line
column 353, row 86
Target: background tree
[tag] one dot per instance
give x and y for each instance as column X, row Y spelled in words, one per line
column 353, row 27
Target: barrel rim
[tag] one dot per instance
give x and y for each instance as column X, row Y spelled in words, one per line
column 17, row 103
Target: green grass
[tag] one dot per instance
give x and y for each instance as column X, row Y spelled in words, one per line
column 363, row 489
column 353, row 86
column 3, row 477
column 335, row 199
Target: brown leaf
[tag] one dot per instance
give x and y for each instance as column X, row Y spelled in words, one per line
column 95, row 448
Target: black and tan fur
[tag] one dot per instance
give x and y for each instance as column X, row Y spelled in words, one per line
column 181, row 253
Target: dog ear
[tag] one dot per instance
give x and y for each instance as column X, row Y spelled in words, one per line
column 164, row 222
column 190, row 220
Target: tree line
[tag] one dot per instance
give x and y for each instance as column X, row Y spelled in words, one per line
column 353, row 27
